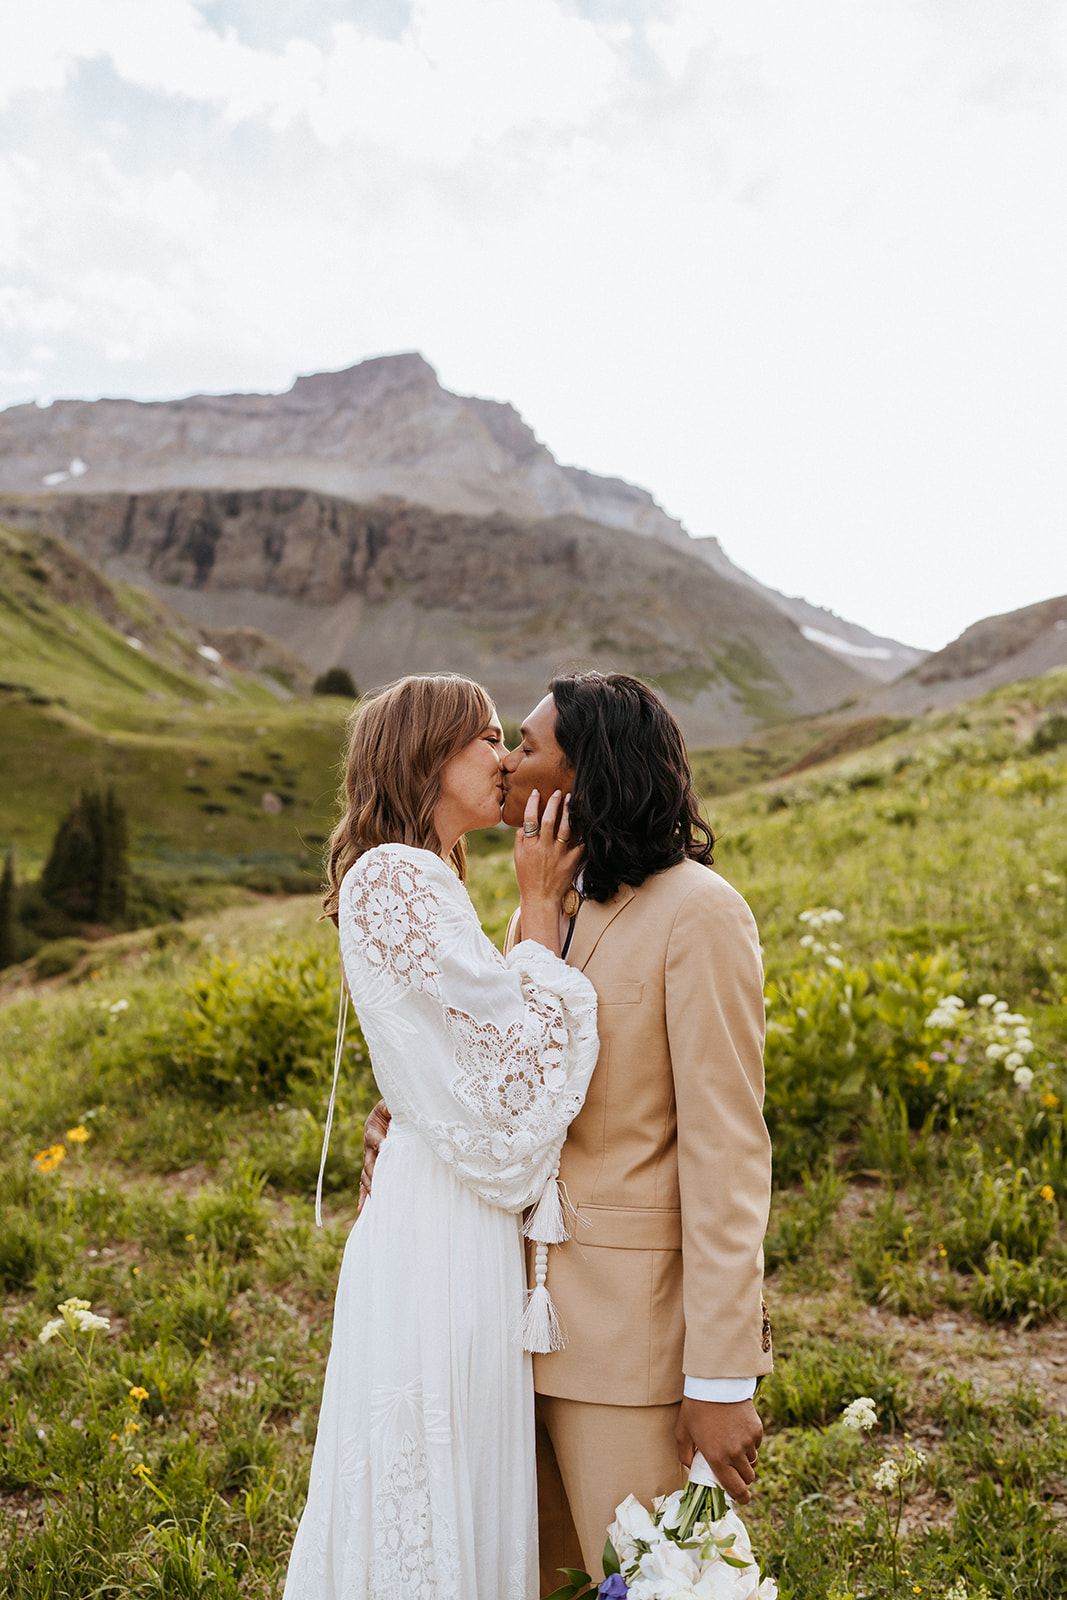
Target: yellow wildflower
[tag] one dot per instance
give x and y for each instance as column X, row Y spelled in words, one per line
column 77, row 1135
column 1049, row 1100
column 137, row 1393
column 133, row 1427
column 1048, row 1192
column 923, row 1067
column 142, row 1471
column 45, row 1160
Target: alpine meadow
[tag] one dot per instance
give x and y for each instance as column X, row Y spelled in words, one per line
column 164, row 1079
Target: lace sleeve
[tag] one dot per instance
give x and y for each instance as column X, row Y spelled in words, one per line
column 488, row 1059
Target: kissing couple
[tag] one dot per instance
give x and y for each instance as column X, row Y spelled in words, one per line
column 488, row 1397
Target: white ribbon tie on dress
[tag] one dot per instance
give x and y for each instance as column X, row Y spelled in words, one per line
column 342, row 1019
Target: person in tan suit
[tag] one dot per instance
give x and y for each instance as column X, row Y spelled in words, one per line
column 667, row 1165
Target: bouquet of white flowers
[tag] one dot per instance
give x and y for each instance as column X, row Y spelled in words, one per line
column 692, row 1546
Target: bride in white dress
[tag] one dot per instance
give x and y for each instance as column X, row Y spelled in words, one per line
column 422, row 1482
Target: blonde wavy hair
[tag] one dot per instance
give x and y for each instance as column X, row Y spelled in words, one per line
column 399, row 741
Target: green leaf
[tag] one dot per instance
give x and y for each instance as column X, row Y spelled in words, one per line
column 577, row 1577
column 610, row 1559
column 733, row 1561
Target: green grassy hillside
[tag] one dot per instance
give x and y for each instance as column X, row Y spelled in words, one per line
column 190, row 747
column 911, row 903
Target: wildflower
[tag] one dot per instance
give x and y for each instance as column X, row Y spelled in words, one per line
column 1013, row 1059
column 819, row 917
column 50, row 1329
column 835, row 962
column 1049, row 1100
column 994, row 1052
column 1024, row 1077
column 1048, row 1192
column 119, row 1005
column 137, row 1393
column 142, row 1471
column 941, row 1250
column 77, row 1135
column 860, row 1415
column 987, row 999
column 946, row 1013
column 887, row 1477
column 999, row 1008
column 923, row 1067
column 133, row 1427
column 45, row 1160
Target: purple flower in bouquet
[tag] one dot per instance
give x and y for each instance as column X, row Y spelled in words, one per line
column 614, row 1588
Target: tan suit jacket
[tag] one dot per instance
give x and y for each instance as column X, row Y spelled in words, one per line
column 668, row 1162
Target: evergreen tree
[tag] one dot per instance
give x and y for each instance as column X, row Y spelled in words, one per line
column 337, row 680
column 114, row 862
column 7, row 911
column 87, row 869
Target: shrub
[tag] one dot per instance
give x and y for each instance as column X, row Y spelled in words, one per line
column 817, row 1379
column 60, row 956
column 1018, row 1291
column 256, row 1030
column 1002, row 1209
column 336, row 680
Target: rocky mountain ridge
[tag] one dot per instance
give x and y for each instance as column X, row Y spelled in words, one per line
column 990, row 653
column 383, row 427
column 387, row 587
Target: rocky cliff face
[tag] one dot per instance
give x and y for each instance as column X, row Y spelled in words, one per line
column 387, row 587
column 384, row 427
column 997, row 650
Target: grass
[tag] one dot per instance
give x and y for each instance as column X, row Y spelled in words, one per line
column 917, row 1251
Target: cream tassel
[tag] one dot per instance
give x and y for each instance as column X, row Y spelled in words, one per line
column 546, row 1223
column 542, row 1331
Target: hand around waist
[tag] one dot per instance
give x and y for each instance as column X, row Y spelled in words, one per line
column 375, row 1130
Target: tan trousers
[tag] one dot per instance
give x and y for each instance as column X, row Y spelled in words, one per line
column 589, row 1458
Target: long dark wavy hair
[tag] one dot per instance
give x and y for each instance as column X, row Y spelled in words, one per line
column 633, row 803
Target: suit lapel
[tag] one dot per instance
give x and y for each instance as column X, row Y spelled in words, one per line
column 593, row 918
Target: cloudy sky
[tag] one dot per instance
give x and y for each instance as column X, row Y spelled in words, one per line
column 797, row 268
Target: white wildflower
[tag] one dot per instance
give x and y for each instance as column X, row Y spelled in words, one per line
column 946, row 1014
column 1024, row 1077
column 119, row 1005
column 89, row 1322
column 860, row 1415
column 995, row 1051
column 835, row 962
column 807, row 941
column 1024, row 1042
column 887, row 1477
column 1000, row 1007
column 819, row 917
column 50, row 1329
column 987, row 999
column 1013, row 1059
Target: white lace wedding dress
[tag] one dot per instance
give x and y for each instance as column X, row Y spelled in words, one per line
column 422, row 1482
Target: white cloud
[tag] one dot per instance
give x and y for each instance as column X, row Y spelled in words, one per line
column 797, row 269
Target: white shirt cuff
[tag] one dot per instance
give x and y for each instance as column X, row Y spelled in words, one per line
column 723, row 1390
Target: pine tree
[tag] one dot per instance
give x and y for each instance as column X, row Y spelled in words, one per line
column 7, row 911
column 87, row 869
column 114, row 862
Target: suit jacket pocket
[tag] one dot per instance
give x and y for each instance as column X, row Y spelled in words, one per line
column 629, row 1227
column 619, row 994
